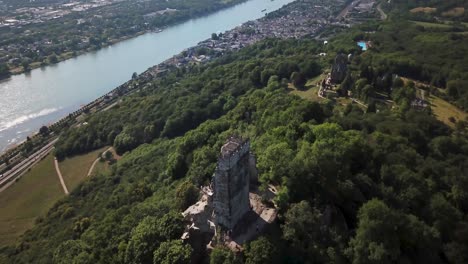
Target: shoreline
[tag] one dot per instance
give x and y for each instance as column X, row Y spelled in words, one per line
column 20, row 70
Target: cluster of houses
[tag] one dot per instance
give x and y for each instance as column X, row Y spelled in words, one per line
column 33, row 15
column 297, row 20
column 37, row 48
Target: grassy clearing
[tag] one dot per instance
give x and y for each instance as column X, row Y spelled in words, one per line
column 432, row 25
column 316, row 81
column 455, row 12
column 310, row 91
column 343, row 101
column 3, row 258
column 27, row 199
column 421, row 84
column 66, row 55
column 101, row 167
column 442, row 25
column 35, row 65
column 443, row 110
column 114, row 154
column 75, row 169
column 423, row 9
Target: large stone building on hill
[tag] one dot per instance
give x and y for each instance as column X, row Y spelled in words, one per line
column 231, row 183
column 339, row 68
column 230, row 210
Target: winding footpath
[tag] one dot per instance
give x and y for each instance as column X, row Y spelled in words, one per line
column 96, row 161
column 57, row 168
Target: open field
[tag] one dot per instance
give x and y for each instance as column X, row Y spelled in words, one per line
column 75, row 169
column 432, row 25
column 104, row 166
column 3, row 259
column 421, row 84
column 423, row 9
column 455, row 12
column 316, row 81
column 443, row 110
column 27, row 199
column 310, row 91
column 101, row 167
column 443, row 25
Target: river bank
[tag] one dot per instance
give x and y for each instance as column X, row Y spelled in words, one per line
column 70, row 55
column 45, row 95
column 59, row 57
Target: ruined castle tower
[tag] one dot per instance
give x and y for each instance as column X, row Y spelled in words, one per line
column 231, row 182
column 339, row 68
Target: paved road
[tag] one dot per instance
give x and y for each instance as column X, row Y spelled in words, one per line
column 17, row 171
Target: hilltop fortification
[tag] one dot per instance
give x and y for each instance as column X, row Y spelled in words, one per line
column 231, row 183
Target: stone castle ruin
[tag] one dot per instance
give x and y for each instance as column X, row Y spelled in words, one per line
column 339, row 68
column 230, row 210
column 231, row 183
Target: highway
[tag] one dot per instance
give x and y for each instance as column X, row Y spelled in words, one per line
column 19, row 169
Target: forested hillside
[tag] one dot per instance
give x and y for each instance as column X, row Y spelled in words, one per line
column 380, row 184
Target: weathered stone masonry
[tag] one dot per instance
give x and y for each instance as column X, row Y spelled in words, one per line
column 231, row 183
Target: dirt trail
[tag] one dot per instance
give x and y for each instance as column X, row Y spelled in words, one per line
column 94, row 163
column 65, row 190
column 383, row 16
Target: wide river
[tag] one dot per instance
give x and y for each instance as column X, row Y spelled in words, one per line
column 44, row 95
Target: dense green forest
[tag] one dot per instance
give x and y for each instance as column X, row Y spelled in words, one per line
column 356, row 185
column 431, row 53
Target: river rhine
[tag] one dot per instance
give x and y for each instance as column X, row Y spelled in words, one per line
column 44, row 95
